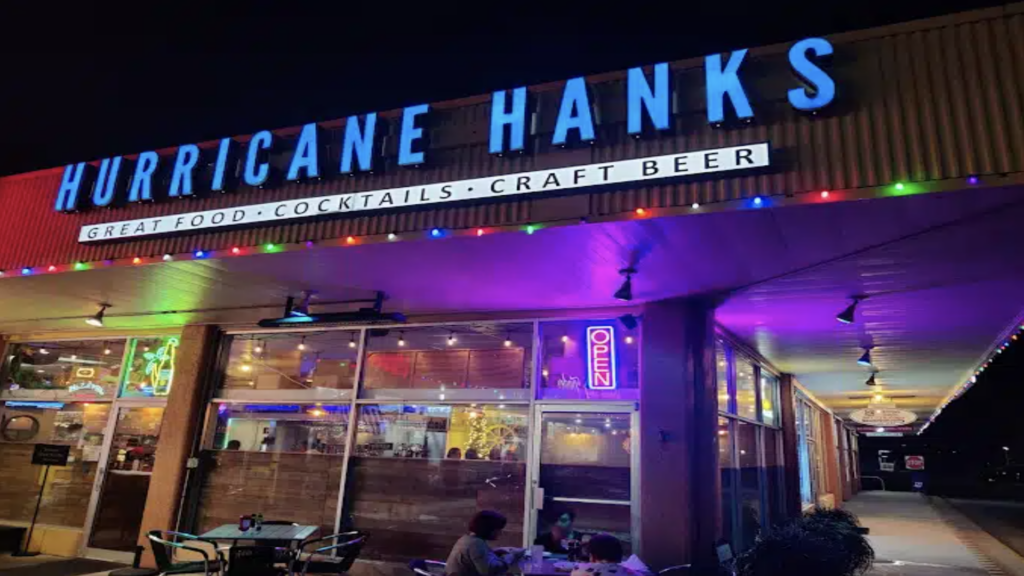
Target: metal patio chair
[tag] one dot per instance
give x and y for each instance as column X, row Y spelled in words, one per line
column 346, row 549
column 165, row 543
column 427, row 568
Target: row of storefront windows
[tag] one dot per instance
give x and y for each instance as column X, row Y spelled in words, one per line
column 408, row 430
column 530, row 419
column 749, row 446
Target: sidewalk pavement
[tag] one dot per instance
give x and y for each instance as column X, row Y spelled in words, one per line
column 914, row 535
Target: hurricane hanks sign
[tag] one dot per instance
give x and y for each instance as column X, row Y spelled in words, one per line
column 650, row 97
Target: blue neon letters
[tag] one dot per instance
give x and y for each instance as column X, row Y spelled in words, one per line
column 181, row 178
column 640, row 97
column 224, row 152
column 358, row 141
column 649, row 103
column 70, row 184
column 306, row 158
column 142, row 180
column 574, row 113
column 725, row 82
column 515, row 119
column 821, row 89
column 410, row 134
column 106, row 182
column 257, row 170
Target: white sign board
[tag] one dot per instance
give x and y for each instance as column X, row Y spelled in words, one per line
column 883, row 416
column 697, row 163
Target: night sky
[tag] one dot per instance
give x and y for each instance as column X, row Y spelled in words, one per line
column 79, row 83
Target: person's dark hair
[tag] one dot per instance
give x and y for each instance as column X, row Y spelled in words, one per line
column 234, row 445
column 487, row 523
column 455, row 453
column 605, row 548
column 807, row 546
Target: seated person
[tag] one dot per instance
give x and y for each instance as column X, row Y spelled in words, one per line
column 605, row 557
column 472, row 556
column 557, row 540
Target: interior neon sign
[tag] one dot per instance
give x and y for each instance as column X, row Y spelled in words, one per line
column 601, row 358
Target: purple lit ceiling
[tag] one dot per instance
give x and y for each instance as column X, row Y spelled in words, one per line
column 943, row 273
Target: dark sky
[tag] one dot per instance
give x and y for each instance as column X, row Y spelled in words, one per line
column 80, row 83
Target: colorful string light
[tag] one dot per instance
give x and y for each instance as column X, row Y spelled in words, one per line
column 963, row 388
column 757, row 201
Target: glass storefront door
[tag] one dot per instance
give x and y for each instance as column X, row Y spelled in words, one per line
column 119, row 494
column 583, row 480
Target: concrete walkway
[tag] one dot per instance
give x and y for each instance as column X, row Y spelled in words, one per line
column 913, row 534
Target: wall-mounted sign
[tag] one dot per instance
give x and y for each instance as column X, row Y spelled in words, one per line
column 86, row 387
column 913, row 462
column 883, row 416
column 601, row 358
column 649, row 100
column 733, row 158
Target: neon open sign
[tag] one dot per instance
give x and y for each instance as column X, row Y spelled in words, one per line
column 601, row 358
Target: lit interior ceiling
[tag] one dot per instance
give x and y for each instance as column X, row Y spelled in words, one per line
column 941, row 271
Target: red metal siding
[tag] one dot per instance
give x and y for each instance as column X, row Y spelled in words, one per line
column 926, row 101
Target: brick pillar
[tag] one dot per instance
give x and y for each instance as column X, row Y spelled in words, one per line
column 182, row 421
column 679, row 491
column 790, row 441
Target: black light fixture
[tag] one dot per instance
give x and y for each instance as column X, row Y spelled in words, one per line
column 401, row 339
column 848, row 315
column 97, row 318
column 625, row 292
column 451, row 338
column 871, row 380
column 865, row 358
column 508, row 340
column 629, row 321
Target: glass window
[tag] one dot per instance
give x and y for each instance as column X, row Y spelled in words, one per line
column 310, row 366
column 727, row 469
column 746, row 388
column 775, row 487
column 769, row 399
column 281, row 460
column 589, row 359
column 467, row 361
column 68, row 488
column 419, row 473
column 150, row 363
column 585, row 471
column 722, row 377
column 751, row 514
column 66, row 370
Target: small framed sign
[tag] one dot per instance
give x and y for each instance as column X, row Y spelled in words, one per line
column 50, row 454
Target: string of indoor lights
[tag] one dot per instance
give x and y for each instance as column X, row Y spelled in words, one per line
column 757, row 202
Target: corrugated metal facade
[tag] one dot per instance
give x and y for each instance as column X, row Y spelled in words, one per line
column 924, row 101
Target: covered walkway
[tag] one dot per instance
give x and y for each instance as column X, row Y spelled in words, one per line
column 914, row 535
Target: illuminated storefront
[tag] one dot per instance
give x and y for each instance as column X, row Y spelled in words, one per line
column 582, row 296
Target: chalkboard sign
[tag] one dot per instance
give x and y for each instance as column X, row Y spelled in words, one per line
column 50, row 455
